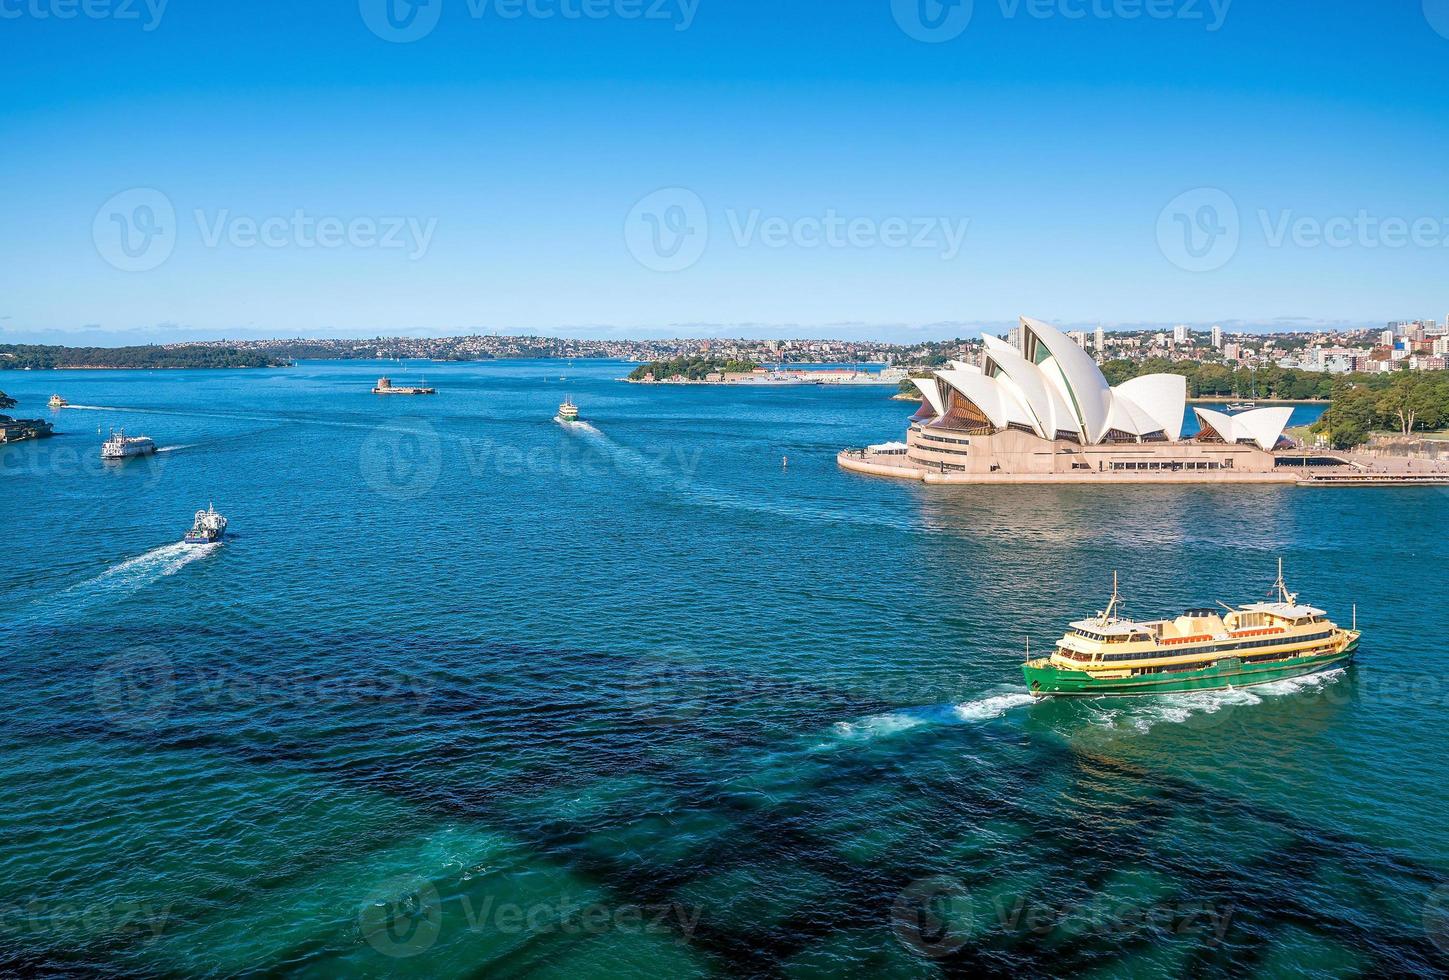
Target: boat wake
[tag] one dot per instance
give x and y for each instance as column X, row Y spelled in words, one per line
column 579, row 427
column 992, row 707
column 172, row 449
column 894, row 722
column 1148, row 712
column 120, row 579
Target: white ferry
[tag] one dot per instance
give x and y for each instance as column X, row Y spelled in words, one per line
column 121, row 446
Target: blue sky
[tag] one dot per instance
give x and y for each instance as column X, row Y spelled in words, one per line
column 1051, row 157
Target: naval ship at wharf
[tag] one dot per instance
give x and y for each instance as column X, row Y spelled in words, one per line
column 1046, row 414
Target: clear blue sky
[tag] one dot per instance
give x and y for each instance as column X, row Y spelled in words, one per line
column 526, row 143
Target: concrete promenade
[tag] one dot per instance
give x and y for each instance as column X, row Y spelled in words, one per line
column 1354, row 469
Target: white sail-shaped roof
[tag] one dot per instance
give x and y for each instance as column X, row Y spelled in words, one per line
column 1050, row 411
column 997, row 402
column 1085, row 387
column 1066, row 392
column 1263, row 426
column 1125, row 415
column 1161, row 396
column 930, row 390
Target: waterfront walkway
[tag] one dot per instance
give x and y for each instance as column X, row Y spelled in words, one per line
column 1296, row 468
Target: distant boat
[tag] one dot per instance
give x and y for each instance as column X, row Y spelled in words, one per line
column 385, row 386
column 121, row 446
column 208, row 528
column 1242, row 406
column 58, row 402
column 568, row 412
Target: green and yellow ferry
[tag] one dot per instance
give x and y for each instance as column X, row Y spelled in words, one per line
column 1201, row 650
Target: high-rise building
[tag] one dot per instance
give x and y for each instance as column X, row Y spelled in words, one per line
column 1217, row 337
column 1101, row 337
column 1014, row 338
column 1386, row 339
column 1230, row 352
column 1179, row 334
column 1079, row 337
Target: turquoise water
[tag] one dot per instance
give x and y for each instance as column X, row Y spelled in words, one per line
column 469, row 693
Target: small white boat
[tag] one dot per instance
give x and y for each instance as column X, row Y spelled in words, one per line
column 208, row 528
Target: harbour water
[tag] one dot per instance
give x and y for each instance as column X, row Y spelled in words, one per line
column 467, row 692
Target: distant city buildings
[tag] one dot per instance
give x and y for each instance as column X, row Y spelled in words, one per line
column 1414, row 345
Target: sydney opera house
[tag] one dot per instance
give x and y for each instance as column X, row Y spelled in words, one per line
column 1045, row 413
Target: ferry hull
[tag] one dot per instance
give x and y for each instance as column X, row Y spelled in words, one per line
column 1045, row 680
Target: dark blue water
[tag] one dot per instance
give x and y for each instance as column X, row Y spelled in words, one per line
column 468, row 693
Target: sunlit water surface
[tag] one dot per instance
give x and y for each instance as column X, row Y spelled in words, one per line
column 467, row 692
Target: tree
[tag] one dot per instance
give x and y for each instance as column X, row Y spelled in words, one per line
column 6, row 401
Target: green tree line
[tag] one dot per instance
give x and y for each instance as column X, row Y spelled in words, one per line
column 43, row 357
column 1404, row 402
column 694, row 367
column 1208, row 380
